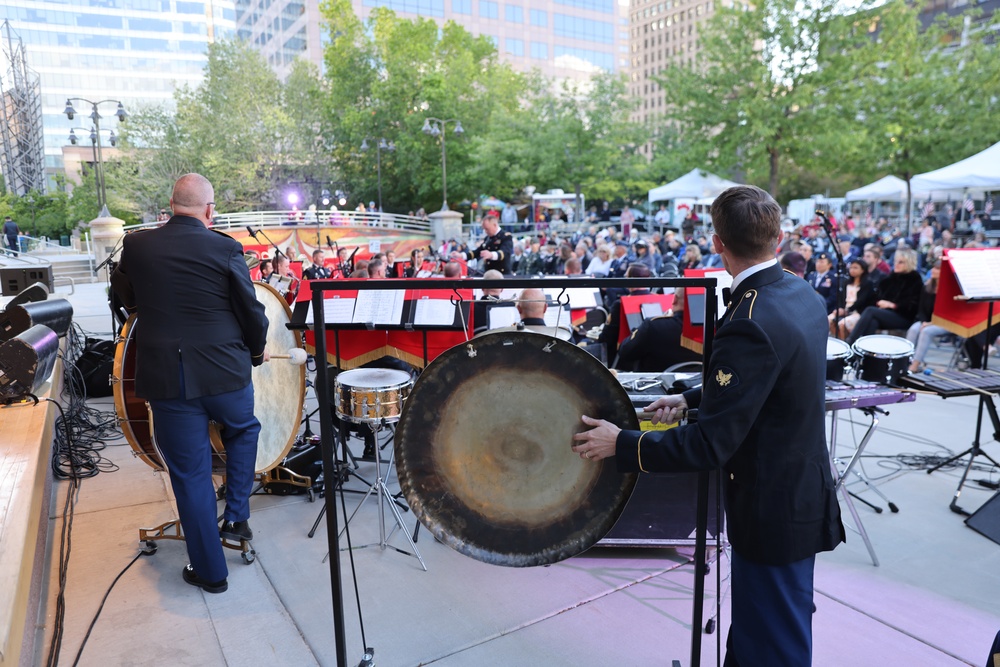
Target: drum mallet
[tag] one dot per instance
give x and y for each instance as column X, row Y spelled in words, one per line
column 296, row 356
column 931, row 373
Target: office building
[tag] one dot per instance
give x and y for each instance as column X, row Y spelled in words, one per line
column 134, row 51
column 564, row 39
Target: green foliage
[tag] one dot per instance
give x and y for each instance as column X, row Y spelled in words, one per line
column 390, row 75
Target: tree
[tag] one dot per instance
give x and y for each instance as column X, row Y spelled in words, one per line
column 923, row 97
column 578, row 137
column 386, row 77
column 754, row 100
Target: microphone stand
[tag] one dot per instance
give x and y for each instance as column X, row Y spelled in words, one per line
column 277, row 250
column 841, row 270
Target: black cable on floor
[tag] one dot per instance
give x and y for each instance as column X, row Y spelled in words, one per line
column 97, row 615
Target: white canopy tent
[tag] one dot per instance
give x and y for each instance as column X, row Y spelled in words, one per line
column 696, row 184
column 887, row 188
column 979, row 173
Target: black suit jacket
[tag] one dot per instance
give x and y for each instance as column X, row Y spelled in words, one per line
column 196, row 306
column 761, row 419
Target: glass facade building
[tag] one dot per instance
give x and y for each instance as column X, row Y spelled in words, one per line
column 561, row 38
column 135, row 51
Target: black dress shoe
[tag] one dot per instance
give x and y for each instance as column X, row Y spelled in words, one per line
column 236, row 530
column 208, row 586
column 368, row 454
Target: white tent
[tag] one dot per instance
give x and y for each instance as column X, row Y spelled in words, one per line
column 889, row 188
column 981, row 172
column 696, row 184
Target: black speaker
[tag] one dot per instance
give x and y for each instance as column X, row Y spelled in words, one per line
column 26, row 361
column 986, row 519
column 14, row 279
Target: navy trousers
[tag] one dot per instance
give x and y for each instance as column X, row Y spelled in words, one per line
column 772, row 614
column 181, row 430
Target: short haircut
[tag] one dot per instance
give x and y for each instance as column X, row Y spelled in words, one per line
column 748, row 221
column 452, row 270
column 492, row 274
column 637, row 271
column 375, row 264
column 794, row 262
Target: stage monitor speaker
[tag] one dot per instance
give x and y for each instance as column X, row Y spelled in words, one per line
column 56, row 314
column 31, row 294
column 986, row 519
column 26, row 361
column 13, row 279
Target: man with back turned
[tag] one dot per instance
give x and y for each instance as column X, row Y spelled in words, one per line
column 761, row 420
column 199, row 329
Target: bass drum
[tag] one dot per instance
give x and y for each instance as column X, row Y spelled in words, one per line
column 279, row 391
column 483, row 449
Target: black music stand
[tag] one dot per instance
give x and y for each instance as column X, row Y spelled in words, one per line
column 974, row 289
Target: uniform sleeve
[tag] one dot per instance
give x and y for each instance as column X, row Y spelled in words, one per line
column 506, row 246
column 249, row 311
column 744, row 368
column 631, row 349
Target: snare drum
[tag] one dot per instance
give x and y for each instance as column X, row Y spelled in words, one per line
column 368, row 395
column 882, row 358
column 838, row 356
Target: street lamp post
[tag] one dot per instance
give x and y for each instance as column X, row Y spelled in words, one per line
column 95, row 138
column 94, row 135
column 382, row 145
column 435, row 127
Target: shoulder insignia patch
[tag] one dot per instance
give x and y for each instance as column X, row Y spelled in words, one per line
column 723, row 378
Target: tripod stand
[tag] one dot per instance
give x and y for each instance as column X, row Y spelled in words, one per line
column 385, row 497
column 342, row 472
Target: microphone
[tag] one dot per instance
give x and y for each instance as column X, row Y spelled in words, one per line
column 329, row 243
column 827, row 225
column 252, row 232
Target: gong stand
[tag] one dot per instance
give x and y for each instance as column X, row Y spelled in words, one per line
column 328, row 432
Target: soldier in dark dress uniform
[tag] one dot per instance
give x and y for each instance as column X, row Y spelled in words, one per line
column 768, row 362
column 496, row 249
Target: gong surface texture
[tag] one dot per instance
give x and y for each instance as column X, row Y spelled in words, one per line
column 483, row 449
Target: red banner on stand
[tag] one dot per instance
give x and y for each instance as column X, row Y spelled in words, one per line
column 952, row 311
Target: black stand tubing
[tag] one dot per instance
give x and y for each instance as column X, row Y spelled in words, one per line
column 327, row 442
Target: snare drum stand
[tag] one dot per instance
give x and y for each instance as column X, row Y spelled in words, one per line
column 385, row 497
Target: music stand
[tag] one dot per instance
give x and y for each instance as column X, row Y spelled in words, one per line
column 969, row 276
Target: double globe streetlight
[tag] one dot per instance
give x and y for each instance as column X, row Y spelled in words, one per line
column 435, row 127
column 95, row 140
column 382, row 145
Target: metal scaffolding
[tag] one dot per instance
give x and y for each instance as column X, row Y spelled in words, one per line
column 22, row 160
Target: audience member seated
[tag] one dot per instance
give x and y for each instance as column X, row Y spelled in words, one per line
column 601, row 263
column 877, row 268
column 897, row 298
column 656, row 344
column 573, row 267
column 793, row 262
column 859, row 294
column 824, row 280
column 922, row 332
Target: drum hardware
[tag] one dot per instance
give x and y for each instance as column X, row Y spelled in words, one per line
column 279, row 393
column 375, row 396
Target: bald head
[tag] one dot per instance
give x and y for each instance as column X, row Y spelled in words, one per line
column 193, row 195
column 531, row 303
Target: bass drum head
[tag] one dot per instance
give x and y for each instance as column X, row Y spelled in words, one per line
column 483, row 449
column 278, row 386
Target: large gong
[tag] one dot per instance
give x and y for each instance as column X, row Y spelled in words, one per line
column 483, row 449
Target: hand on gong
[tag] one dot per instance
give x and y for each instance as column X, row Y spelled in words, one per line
column 597, row 443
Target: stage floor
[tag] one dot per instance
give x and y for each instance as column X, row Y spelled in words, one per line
column 931, row 602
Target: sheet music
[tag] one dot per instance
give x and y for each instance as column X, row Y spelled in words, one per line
column 434, row 312
column 651, row 309
column 723, row 280
column 336, row 310
column 978, row 272
column 579, row 297
column 503, row 315
column 555, row 317
column 379, row 307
